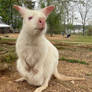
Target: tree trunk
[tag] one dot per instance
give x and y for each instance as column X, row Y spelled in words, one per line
column 83, row 30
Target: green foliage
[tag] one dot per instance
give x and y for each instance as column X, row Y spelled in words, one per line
column 73, row 61
column 6, row 10
column 9, row 14
column 57, row 21
column 53, row 20
column 70, row 26
column 29, row 3
column 53, row 23
column 89, row 31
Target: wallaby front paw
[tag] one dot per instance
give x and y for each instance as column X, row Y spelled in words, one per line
column 20, row 80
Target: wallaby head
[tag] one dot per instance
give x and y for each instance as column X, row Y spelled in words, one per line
column 34, row 21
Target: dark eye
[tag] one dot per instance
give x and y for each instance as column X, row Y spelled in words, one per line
column 30, row 18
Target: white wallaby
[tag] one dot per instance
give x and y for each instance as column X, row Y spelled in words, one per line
column 37, row 57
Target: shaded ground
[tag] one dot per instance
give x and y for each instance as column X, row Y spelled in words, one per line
column 67, row 50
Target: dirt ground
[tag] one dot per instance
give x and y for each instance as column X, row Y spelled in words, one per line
column 7, row 77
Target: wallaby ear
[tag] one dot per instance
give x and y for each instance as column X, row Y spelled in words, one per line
column 48, row 10
column 20, row 9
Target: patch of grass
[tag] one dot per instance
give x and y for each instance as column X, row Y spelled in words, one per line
column 73, row 61
column 7, row 50
column 75, row 39
column 89, row 74
column 10, row 57
column 5, row 41
column 60, row 47
column 1, row 49
column 81, row 38
column 8, row 39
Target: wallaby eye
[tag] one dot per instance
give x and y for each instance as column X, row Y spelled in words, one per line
column 30, row 17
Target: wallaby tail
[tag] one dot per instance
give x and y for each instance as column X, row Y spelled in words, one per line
column 65, row 78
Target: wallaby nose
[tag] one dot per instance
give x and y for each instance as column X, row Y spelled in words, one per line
column 41, row 23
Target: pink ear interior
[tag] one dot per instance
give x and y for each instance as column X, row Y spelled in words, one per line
column 48, row 10
column 17, row 7
column 20, row 9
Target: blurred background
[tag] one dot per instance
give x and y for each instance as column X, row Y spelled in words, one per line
column 69, row 16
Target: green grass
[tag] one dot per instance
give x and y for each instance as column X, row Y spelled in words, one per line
column 75, row 39
column 89, row 74
column 9, row 57
column 74, row 61
column 4, row 40
column 1, row 49
column 80, row 38
column 7, row 50
column 7, row 39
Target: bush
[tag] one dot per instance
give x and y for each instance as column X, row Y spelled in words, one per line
column 89, row 31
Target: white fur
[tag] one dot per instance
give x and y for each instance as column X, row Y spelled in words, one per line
column 33, row 47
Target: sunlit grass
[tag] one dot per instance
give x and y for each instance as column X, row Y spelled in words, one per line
column 7, row 50
column 81, row 38
column 73, row 61
column 9, row 57
column 74, row 39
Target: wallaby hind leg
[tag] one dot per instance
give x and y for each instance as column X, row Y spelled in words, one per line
column 44, row 85
column 65, row 78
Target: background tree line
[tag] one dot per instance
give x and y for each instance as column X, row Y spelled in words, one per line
column 64, row 16
column 9, row 14
column 62, row 19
